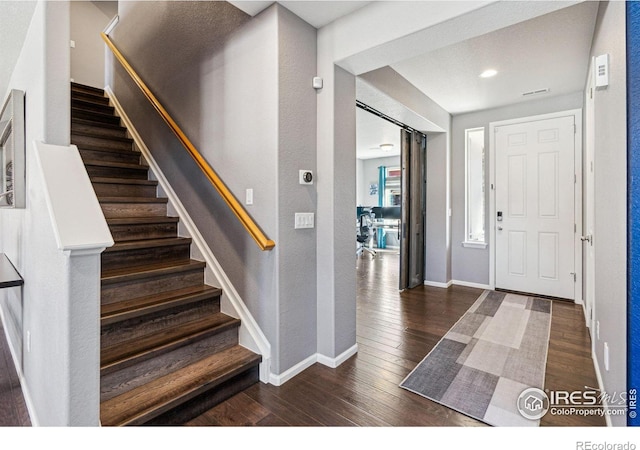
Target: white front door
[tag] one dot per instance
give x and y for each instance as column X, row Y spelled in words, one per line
column 535, row 207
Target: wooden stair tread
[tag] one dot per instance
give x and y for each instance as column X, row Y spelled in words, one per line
column 133, row 199
column 150, row 270
column 115, row 165
column 90, row 97
column 141, row 220
column 135, row 307
column 101, row 136
column 109, row 180
column 165, row 339
column 93, row 123
column 81, row 103
column 99, row 114
column 75, row 85
column 145, row 402
column 100, row 148
column 148, row 243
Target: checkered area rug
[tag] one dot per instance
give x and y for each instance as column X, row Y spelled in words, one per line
column 493, row 353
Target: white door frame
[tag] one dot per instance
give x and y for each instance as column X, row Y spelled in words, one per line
column 577, row 114
column 589, row 200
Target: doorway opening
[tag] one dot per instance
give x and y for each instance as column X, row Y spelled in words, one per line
column 391, row 192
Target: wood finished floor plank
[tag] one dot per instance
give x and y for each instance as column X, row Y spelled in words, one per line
column 268, row 397
column 394, row 332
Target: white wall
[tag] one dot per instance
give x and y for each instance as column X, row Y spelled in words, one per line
column 88, row 19
column 610, row 232
column 370, row 175
column 59, row 309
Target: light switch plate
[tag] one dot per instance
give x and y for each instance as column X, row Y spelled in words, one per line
column 304, row 220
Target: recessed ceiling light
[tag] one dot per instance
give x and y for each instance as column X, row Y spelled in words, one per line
column 488, row 73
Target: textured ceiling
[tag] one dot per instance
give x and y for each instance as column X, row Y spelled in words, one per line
column 373, row 131
column 15, row 17
column 316, row 13
column 550, row 51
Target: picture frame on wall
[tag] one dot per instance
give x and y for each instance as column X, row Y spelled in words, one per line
column 12, row 151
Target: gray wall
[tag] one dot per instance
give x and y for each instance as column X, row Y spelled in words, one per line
column 610, row 231
column 88, row 19
column 344, row 311
column 250, row 110
column 296, row 150
column 369, row 174
column 472, row 264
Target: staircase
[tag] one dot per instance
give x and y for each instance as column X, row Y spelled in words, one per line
column 167, row 353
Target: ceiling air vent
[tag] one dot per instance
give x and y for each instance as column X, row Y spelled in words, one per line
column 536, row 92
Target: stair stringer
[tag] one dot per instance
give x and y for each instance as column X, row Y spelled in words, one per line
column 250, row 334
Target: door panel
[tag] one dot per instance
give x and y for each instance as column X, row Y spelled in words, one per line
column 535, row 199
column 413, row 209
column 405, row 153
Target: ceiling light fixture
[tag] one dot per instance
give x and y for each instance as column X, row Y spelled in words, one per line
column 488, row 73
column 386, row 147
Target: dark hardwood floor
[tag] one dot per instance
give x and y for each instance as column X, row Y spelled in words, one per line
column 394, row 333
column 13, row 410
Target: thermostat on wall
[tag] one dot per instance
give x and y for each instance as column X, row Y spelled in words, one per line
column 306, row 177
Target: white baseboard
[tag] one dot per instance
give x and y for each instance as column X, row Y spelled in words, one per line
column 279, row 380
column 31, row 410
column 250, row 334
column 596, row 366
column 470, row 284
column 437, row 284
column 342, row 357
column 456, row 283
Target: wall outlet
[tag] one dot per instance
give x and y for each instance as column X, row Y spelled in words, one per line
column 28, row 341
column 249, row 197
column 597, row 329
column 606, row 356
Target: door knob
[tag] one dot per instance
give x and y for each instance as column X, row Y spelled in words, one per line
column 499, row 228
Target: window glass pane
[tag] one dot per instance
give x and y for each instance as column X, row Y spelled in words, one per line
column 474, row 185
column 392, row 187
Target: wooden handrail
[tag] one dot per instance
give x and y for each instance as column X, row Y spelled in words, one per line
column 252, row 228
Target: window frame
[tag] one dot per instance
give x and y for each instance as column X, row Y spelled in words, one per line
column 468, row 242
